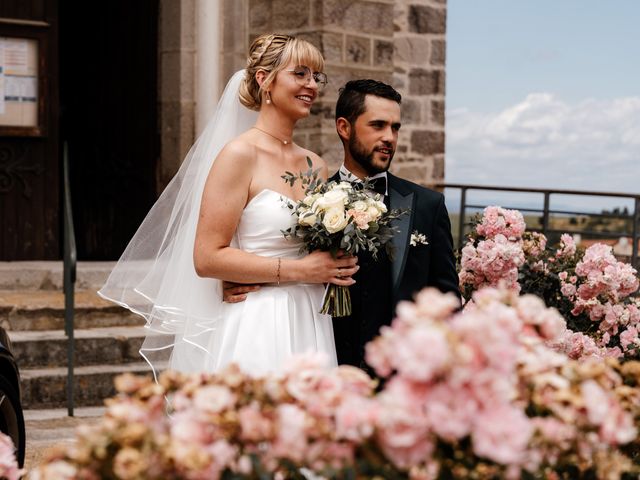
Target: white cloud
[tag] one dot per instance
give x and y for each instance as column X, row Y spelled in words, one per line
column 547, row 143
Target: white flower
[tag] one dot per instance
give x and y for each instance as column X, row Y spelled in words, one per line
column 332, row 199
column 334, row 220
column 343, row 186
column 359, row 206
column 307, row 218
column 418, row 239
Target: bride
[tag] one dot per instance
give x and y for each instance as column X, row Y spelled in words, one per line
column 221, row 219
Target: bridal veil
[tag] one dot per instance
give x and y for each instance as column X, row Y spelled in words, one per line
column 156, row 278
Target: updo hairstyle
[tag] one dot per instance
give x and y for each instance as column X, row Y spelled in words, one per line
column 272, row 53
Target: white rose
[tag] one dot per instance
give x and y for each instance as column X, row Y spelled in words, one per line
column 373, row 213
column 332, row 199
column 359, row 206
column 307, row 219
column 344, row 186
column 334, row 220
column 309, row 199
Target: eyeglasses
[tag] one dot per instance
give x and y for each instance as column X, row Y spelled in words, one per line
column 303, row 76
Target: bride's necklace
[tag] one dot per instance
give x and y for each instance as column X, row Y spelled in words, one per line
column 284, row 142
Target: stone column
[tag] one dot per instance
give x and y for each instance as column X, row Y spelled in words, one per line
column 176, row 69
column 419, row 75
column 207, row 89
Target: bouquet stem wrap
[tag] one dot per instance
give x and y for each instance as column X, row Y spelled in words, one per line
column 336, row 301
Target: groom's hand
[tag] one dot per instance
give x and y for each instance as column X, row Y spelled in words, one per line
column 236, row 292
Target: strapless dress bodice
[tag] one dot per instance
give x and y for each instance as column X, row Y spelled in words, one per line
column 262, row 223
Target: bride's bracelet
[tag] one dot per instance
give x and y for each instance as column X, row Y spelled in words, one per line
column 278, row 272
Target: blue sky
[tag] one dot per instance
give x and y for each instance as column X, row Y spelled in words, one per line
column 544, row 93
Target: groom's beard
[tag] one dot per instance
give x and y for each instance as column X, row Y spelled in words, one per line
column 366, row 158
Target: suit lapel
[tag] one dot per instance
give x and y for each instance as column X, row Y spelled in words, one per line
column 400, row 198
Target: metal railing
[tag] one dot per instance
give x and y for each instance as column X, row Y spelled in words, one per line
column 546, row 212
column 70, row 260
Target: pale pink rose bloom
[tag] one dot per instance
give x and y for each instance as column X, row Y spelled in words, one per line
column 355, row 418
column 567, row 246
column 451, row 412
column 618, row 427
column 425, row 352
column 8, row 463
column 402, row 430
column 431, row 303
column 596, row 401
column 629, row 338
column 187, row 426
column 223, row 455
column 568, row 290
column 254, row 426
column 563, row 276
column 58, row 470
column 379, row 352
column 213, row 398
column 354, row 380
column 291, row 437
column 502, row 434
column 360, row 218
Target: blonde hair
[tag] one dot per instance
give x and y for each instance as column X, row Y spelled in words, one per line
column 272, row 53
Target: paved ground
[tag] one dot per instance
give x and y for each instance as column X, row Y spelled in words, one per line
column 46, row 428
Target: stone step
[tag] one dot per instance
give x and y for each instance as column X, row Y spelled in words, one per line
column 52, row 427
column 41, row 275
column 25, row 310
column 46, row 387
column 48, row 348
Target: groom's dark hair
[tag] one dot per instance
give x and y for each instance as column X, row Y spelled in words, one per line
column 350, row 104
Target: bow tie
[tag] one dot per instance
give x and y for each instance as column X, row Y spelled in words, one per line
column 379, row 185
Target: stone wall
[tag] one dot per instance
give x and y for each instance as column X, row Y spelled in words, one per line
column 400, row 42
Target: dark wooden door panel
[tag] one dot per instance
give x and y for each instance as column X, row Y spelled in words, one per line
column 29, row 165
column 109, row 97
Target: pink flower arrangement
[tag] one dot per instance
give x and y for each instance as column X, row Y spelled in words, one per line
column 472, row 394
column 592, row 289
column 9, row 469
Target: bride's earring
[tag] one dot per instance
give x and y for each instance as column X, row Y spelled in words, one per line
column 268, row 100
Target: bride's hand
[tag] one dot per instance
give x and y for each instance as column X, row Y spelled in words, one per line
column 321, row 267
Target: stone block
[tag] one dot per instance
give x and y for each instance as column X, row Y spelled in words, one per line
column 427, row 142
column 290, row 14
column 411, row 111
column 426, row 82
column 332, row 47
column 438, row 52
column 414, row 172
column 260, row 15
column 358, row 16
column 358, row 50
column 411, row 50
column 437, row 112
column 383, row 53
column 338, row 76
column 425, row 19
column 438, row 169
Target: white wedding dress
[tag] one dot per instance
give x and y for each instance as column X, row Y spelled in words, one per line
column 275, row 322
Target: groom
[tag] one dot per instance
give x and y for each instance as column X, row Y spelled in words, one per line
column 368, row 122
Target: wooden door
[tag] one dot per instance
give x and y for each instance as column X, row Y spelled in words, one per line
column 29, row 157
column 108, row 75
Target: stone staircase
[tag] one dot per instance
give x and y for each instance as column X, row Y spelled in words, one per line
column 107, row 337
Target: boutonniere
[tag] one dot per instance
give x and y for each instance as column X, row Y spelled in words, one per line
column 418, row 238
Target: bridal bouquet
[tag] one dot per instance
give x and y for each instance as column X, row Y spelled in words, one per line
column 340, row 216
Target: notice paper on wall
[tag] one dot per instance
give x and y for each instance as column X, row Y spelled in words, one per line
column 18, row 82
